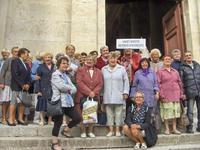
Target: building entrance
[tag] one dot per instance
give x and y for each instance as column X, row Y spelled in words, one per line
column 158, row 21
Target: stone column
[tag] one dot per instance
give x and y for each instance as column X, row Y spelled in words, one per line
column 88, row 24
column 191, row 15
column 3, row 17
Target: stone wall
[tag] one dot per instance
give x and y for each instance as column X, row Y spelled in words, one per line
column 191, row 16
column 46, row 25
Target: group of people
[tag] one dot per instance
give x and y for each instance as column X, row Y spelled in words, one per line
column 115, row 80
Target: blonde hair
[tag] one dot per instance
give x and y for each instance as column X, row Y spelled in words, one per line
column 155, row 50
column 114, row 54
column 5, row 50
column 94, row 58
column 47, row 54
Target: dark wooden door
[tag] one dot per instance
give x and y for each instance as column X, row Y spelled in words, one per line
column 173, row 30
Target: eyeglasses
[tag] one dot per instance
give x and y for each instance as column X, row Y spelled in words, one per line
column 139, row 97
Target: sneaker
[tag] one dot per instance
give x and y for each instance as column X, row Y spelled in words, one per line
column 137, row 146
column 143, row 146
column 118, row 134
column 83, row 135
column 91, row 135
column 110, row 134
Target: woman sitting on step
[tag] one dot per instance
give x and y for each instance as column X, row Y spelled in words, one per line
column 137, row 119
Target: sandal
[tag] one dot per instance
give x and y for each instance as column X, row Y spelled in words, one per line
column 137, row 146
column 41, row 124
column 66, row 134
column 167, row 132
column 176, row 132
column 53, row 146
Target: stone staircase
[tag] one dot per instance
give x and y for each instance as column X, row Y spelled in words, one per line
column 33, row 137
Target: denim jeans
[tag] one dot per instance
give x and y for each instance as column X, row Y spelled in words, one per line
column 190, row 113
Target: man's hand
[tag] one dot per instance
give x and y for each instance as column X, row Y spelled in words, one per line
column 125, row 96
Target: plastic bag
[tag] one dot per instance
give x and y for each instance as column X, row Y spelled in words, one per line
column 89, row 111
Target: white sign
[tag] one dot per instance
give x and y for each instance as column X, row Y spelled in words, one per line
column 131, row 43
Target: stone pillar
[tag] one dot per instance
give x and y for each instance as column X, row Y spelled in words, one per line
column 191, row 15
column 42, row 25
column 3, row 17
column 88, row 24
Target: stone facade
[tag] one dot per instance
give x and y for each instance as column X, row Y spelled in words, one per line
column 46, row 25
column 191, row 16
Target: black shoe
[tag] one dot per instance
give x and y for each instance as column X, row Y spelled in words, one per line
column 198, row 129
column 11, row 124
column 189, row 131
column 22, row 123
column 67, row 135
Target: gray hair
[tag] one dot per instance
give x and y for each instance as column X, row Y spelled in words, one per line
column 155, row 50
column 105, row 46
column 175, row 51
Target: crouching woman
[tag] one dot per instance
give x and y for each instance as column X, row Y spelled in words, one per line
column 137, row 119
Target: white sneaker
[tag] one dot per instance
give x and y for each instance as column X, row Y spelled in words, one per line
column 83, row 135
column 118, row 134
column 143, row 146
column 91, row 135
column 110, row 134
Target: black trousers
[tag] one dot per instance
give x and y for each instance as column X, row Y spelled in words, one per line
column 72, row 113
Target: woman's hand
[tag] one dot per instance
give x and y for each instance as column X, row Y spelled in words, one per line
column 157, row 96
column 39, row 94
column 135, row 126
column 125, row 96
column 92, row 94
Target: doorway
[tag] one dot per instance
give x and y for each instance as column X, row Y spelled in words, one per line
column 139, row 19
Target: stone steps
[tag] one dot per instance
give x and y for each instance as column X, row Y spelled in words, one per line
column 33, row 137
column 12, row 143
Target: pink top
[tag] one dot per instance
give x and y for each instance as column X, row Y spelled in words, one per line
column 170, row 85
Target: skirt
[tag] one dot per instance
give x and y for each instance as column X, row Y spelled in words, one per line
column 5, row 94
column 170, row 110
column 41, row 104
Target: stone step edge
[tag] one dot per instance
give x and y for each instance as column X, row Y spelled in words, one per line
column 103, row 142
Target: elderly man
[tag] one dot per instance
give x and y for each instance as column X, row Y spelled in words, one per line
column 190, row 75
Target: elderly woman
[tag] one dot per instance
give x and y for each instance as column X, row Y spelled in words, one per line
column 43, row 86
column 145, row 80
column 137, row 119
column 116, row 89
column 170, row 94
column 89, row 81
column 155, row 63
column 63, row 89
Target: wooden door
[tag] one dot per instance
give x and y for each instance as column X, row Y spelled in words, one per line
column 173, row 30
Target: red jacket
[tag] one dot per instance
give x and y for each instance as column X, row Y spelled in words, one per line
column 86, row 83
column 100, row 63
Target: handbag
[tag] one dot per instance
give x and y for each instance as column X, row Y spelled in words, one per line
column 54, row 108
column 25, row 98
column 156, row 118
column 183, row 120
column 151, row 136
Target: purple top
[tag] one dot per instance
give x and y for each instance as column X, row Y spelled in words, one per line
column 170, row 85
column 146, row 82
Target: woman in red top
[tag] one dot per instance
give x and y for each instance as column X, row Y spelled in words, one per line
column 171, row 92
column 89, row 83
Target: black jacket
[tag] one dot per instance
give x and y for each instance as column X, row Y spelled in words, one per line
column 191, row 79
column 19, row 75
